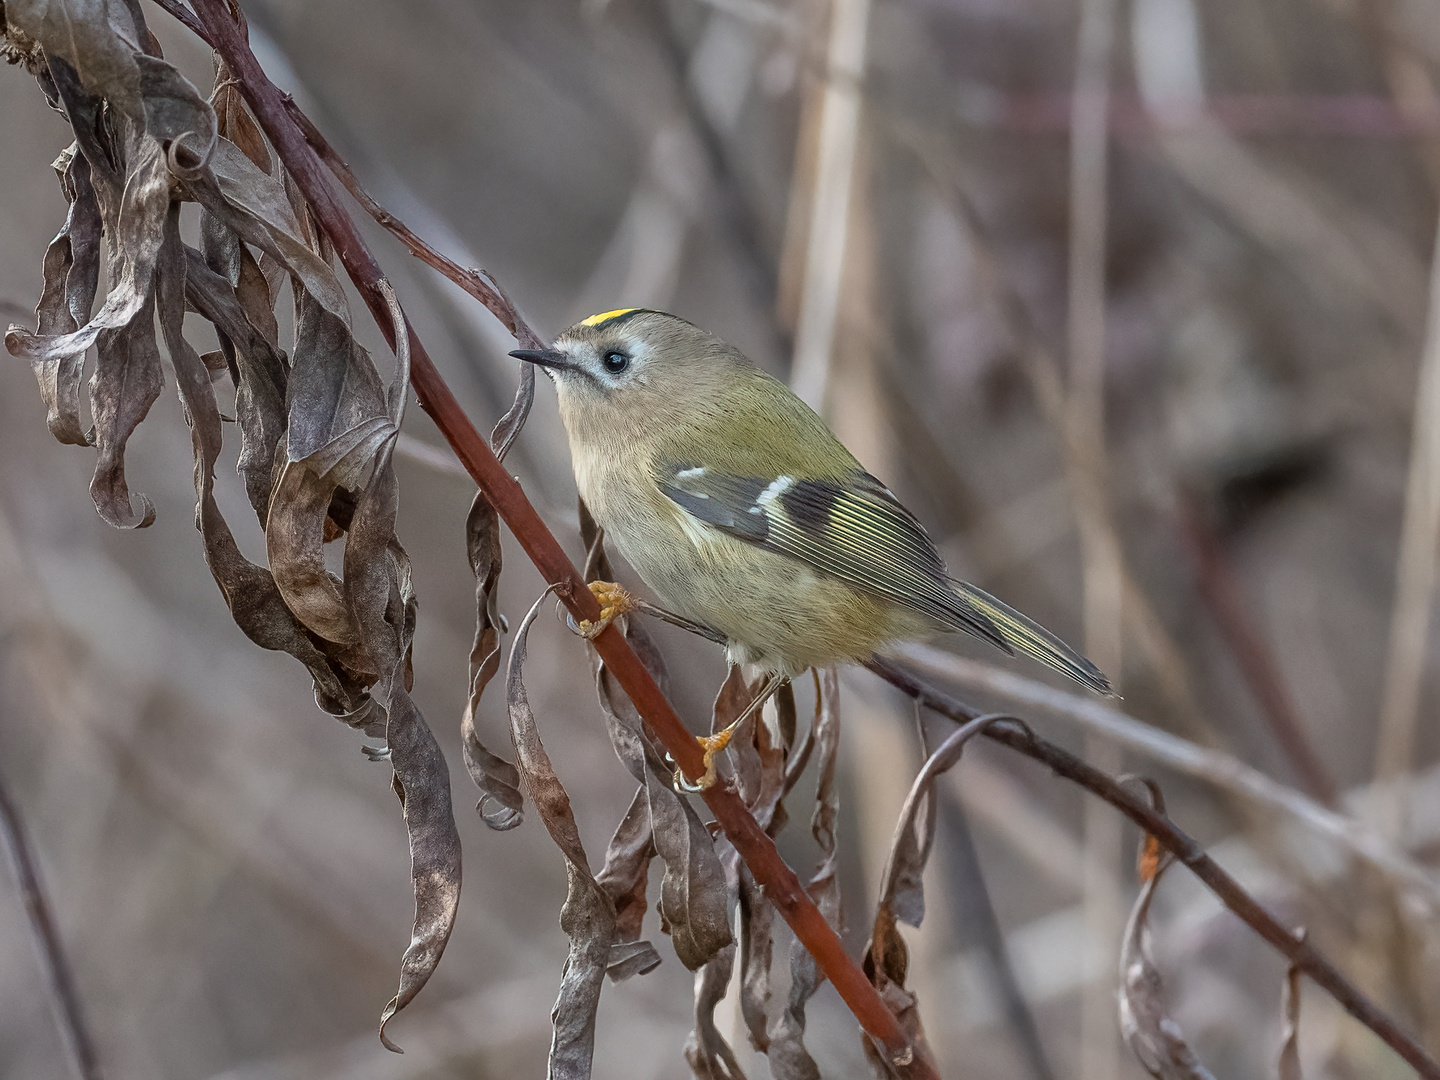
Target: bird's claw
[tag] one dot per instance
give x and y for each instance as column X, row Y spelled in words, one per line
column 614, row 602
column 711, row 745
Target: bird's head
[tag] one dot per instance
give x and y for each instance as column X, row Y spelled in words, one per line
column 634, row 368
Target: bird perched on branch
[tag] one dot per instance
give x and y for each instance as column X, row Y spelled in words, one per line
column 734, row 502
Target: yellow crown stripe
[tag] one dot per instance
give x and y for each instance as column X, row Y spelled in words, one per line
column 606, row 316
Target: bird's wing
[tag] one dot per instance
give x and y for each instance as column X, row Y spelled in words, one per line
column 852, row 529
column 856, row 530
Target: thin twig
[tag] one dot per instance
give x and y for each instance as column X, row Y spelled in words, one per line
column 473, row 280
column 1212, row 766
column 278, row 117
column 60, row 978
column 185, row 16
column 1292, row 944
column 1219, row 588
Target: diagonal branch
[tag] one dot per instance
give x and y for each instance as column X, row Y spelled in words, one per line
column 1216, row 767
column 276, row 116
column 1293, row 945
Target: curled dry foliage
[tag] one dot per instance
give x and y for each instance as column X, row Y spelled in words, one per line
column 789, row 1060
column 588, row 916
column 316, row 427
column 902, row 889
column 692, row 893
column 1155, row 1038
column 500, row 800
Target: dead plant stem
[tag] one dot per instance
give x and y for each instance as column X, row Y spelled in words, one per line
column 276, row 115
column 1136, row 806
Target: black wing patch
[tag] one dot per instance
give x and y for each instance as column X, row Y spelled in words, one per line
column 855, row 530
column 727, row 510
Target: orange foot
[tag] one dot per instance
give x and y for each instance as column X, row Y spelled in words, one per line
column 614, row 602
column 712, row 745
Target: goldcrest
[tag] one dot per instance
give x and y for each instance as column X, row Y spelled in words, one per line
column 733, row 501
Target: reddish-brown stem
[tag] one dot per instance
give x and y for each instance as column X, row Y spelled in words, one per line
column 1296, row 947
column 276, row 117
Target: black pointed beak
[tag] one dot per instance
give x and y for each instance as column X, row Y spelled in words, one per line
column 548, row 358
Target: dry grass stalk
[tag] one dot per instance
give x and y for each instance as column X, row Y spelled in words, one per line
column 829, row 224
column 1414, row 578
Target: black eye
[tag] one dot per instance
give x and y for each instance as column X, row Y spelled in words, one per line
column 616, row 362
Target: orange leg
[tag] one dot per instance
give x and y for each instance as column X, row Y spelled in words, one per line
column 714, row 744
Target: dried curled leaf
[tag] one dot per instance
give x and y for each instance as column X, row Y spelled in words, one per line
column 144, row 141
column 422, row 781
column 624, row 877
column 257, row 207
column 100, row 39
column 501, row 801
column 757, row 950
column 693, row 904
column 902, row 891
column 261, row 372
column 709, row 1055
column 759, row 757
column 626, row 872
column 508, row 427
column 127, row 381
column 72, row 276
column 338, row 425
column 588, row 916
column 789, row 1060
column 1156, row 1040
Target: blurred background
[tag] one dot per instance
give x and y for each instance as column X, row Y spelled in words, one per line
column 1127, row 300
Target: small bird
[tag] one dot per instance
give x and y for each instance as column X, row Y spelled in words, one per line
column 738, row 507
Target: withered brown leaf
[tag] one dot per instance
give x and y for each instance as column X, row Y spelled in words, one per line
column 501, row 801
column 338, row 423
column 588, row 916
column 709, row 1055
column 789, row 1060
column 261, row 376
column 902, row 890
column 693, row 903
column 626, row 872
column 316, row 440
column 1156, row 1040
column 72, row 276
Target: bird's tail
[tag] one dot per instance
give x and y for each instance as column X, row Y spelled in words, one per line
column 1029, row 637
